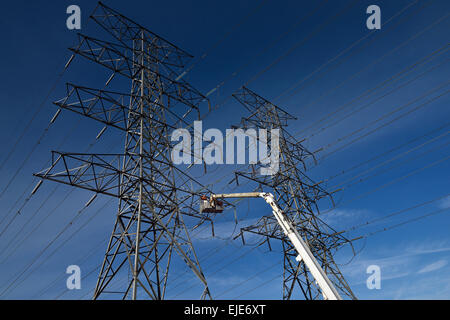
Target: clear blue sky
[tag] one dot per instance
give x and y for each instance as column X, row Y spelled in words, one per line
column 269, row 51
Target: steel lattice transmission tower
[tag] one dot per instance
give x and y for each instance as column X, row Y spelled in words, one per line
column 155, row 198
column 297, row 195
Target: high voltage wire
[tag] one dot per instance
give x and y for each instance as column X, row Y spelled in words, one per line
column 261, row 4
column 358, row 238
column 64, row 242
column 207, row 257
column 379, row 119
column 271, row 45
column 390, row 182
column 211, row 253
column 36, row 258
column 408, row 68
column 370, row 91
column 342, row 172
column 60, row 245
column 380, row 59
column 377, row 99
column 370, row 234
column 388, row 228
column 33, row 117
column 63, row 274
column 218, row 270
column 366, row 67
column 385, row 185
column 214, row 250
column 258, row 286
column 303, row 41
column 403, row 210
column 33, row 181
column 17, row 245
column 39, row 225
column 219, row 41
column 235, row 73
column 376, row 34
column 28, row 125
column 395, row 213
column 401, row 116
column 248, row 279
column 347, row 184
column 20, row 232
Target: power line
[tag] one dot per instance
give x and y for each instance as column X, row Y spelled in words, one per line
column 258, row 286
column 262, row 3
column 393, row 181
column 347, row 182
column 265, row 49
column 33, row 117
column 433, row 213
column 14, row 250
column 63, row 274
column 404, row 71
column 373, row 32
column 395, row 213
column 398, row 147
column 36, row 113
column 248, row 279
column 352, row 113
column 35, row 269
column 303, row 41
column 61, row 244
column 218, row 270
column 386, row 123
column 358, row 238
column 66, row 227
column 34, row 181
column 415, row 36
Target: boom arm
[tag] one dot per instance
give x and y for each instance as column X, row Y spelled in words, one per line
column 329, row 292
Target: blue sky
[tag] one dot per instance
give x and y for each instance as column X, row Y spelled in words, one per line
column 371, row 78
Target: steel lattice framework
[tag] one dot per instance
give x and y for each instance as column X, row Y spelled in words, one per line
column 297, row 195
column 154, row 197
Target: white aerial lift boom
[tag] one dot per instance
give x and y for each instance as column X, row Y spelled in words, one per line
column 329, row 292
